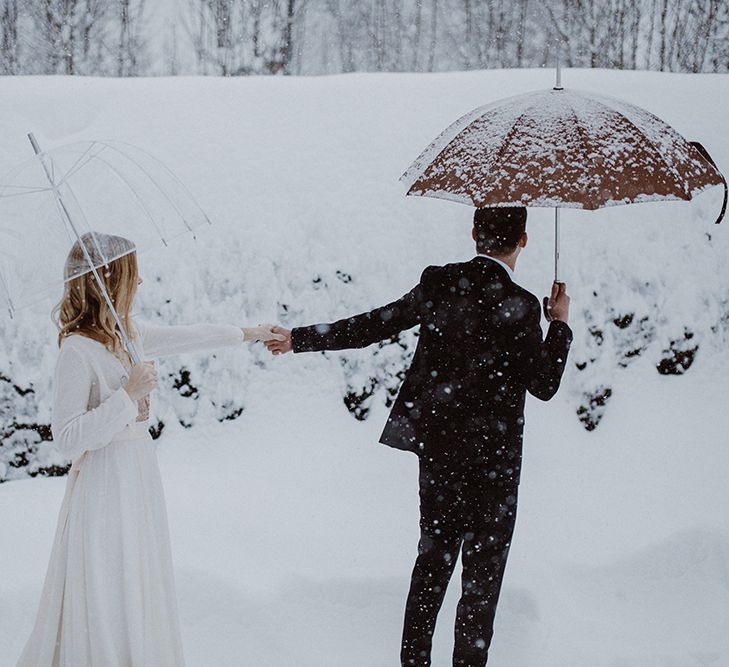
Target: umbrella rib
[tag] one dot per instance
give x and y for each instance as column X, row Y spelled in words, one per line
column 31, row 188
column 671, row 168
column 509, row 134
column 72, row 170
column 159, row 187
column 8, row 297
column 416, row 170
column 136, row 196
column 173, row 176
column 595, row 204
column 28, row 191
column 178, row 181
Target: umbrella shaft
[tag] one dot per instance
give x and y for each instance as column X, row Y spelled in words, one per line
column 556, row 245
column 122, row 330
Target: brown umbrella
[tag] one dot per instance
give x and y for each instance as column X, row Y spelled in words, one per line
column 564, row 149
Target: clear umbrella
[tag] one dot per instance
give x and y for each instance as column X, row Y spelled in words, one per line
column 86, row 190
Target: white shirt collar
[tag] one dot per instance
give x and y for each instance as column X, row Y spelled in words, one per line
column 509, row 270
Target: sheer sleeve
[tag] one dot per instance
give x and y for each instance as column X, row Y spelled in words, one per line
column 75, row 427
column 163, row 341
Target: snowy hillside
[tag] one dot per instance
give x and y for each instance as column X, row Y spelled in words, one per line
column 294, row 533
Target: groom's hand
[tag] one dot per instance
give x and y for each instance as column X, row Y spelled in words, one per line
column 557, row 305
column 283, row 344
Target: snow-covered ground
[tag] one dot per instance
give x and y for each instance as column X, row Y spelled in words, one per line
column 294, row 533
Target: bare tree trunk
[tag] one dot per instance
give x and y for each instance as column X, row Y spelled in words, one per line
column 433, row 35
column 621, row 34
column 398, row 40
column 127, row 57
column 50, row 29
column 288, row 50
column 520, row 33
column 594, row 51
column 500, row 35
column 69, row 56
column 227, row 36
column 130, row 45
column 344, row 38
column 467, row 52
column 678, row 24
column 417, row 29
column 9, row 16
column 173, row 64
column 299, row 29
column 707, row 33
column 564, row 52
column 491, row 46
column 376, row 40
column 635, row 34
column 651, row 34
column 663, row 28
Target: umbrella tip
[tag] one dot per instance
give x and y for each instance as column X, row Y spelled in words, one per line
column 34, row 143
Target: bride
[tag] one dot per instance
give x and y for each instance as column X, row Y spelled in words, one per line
column 109, row 595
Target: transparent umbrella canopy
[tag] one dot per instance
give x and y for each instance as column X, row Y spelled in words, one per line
column 84, row 190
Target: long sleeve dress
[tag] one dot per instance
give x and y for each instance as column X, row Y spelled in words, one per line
column 109, row 595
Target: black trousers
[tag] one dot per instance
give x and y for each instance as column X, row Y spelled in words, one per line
column 467, row 506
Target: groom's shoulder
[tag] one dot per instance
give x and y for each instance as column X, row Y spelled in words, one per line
column 440, row 274
column 445, row 270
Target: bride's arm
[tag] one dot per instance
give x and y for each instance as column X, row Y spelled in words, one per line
column 75, row 428
column 162, row 341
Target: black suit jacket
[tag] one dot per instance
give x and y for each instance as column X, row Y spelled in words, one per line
column 480, row 350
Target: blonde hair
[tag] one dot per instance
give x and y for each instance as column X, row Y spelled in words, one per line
column 83, row 309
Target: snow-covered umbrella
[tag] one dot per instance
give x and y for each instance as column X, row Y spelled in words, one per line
column 85, row 194
column 563, row 149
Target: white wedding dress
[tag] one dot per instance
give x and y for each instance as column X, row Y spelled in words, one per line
column 109, row 595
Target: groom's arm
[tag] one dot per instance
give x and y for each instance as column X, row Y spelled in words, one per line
column 364, row 329
column 545, row 360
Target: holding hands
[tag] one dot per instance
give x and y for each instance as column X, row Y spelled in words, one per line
column 276, row 339
column 281, row 344
column 265, row 333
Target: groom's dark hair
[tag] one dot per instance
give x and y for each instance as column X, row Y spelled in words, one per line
column 497, row 229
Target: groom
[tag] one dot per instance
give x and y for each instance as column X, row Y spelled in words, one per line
column 461, row 410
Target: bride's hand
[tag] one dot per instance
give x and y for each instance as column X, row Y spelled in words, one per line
column 262, row 333
column 142, row 380
column 280, row 345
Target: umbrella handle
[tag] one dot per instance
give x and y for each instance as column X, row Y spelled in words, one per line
column 705, row 154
